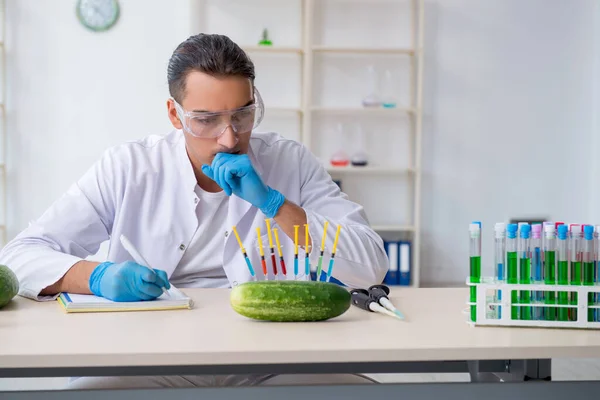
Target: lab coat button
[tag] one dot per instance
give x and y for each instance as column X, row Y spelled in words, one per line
column 196, row 200
column 226, row 233
column 182, row 246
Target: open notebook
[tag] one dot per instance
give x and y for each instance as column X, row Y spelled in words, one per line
column 90, row 303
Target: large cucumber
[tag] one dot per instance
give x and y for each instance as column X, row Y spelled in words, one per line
column 290, row 301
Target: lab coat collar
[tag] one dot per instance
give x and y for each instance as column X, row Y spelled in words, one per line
column 188, row 175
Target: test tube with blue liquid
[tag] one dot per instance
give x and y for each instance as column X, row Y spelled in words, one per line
column 499, row 256
column 588, row 266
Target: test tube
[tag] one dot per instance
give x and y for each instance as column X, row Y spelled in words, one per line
column 576, row 259
column 563, row 271
column 475, row 264
column 525, row 269
column 511, row 266
column 596, row 265
column 536, row 265
column 550, row 270
column 499, row 255
column 588, row 265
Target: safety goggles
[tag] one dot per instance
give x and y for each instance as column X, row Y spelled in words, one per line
column 213, row 124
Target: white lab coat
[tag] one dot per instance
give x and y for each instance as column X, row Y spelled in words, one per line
column 145, row 190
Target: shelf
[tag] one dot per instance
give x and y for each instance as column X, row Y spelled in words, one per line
column 272, row 49
column 393, row 228
column 369, row 170
column 364, row 110
column 362, row 50
column 280, row 110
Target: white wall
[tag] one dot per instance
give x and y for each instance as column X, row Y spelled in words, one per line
column 72, row 93
column 508, row 121
column 593, row 207
column 508, row 108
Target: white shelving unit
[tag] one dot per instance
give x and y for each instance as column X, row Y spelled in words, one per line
column 310, row 79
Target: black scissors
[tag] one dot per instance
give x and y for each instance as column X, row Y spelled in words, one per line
column 375, row 299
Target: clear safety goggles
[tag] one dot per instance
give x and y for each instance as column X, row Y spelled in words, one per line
column 213, row 124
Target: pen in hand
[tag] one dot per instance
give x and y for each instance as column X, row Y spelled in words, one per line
column 137, row 257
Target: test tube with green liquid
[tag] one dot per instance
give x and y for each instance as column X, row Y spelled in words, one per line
column 525, row 269
column 588, row 265
column 563, row 271
column 536, row 269
column 576, row 259
column 550, row 269
column 511, row 266
column 475, row 264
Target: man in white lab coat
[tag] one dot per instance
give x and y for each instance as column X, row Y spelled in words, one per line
column 177, row 197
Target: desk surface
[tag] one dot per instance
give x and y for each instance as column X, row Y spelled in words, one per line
column 34, row 334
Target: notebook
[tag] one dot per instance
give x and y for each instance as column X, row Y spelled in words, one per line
column 90, row 303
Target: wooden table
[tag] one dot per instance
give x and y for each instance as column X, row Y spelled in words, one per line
column 40, row 339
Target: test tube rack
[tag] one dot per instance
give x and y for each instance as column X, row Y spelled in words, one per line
column 491, row 311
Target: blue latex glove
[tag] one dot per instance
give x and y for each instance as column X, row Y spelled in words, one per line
column 236, row 175
column 127, row 281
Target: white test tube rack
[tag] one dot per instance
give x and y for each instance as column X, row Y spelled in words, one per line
column 486, row 299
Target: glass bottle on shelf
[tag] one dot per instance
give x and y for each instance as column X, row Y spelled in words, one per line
column 360, row 157
column 339, row 158
column 265, row 41
column 388, row 100
column 372, row 98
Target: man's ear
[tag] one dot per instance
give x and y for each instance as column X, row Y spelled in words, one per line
column 172, row 113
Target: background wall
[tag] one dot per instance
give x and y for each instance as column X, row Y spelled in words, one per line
column 508, row 122
column 72, row 93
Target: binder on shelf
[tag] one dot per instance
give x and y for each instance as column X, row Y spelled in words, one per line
column 405, row 263
column 391, row 248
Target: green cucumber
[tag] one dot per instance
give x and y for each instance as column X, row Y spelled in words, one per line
column 290, row 301
column 9, row 285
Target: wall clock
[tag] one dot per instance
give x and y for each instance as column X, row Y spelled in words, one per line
column 98, row 15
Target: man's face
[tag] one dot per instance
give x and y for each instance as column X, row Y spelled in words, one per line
column 205, row 93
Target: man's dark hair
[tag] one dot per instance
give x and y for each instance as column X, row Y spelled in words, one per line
column 212, row 54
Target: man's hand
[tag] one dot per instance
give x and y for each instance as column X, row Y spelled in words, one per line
column 127, row 281
column 236, row 175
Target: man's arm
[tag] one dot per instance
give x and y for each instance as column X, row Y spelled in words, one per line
column 74, row 281
column 48, row 256
column 290, row 214
column 360, row 257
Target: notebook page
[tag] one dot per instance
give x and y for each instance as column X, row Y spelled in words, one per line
column 175, row 295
